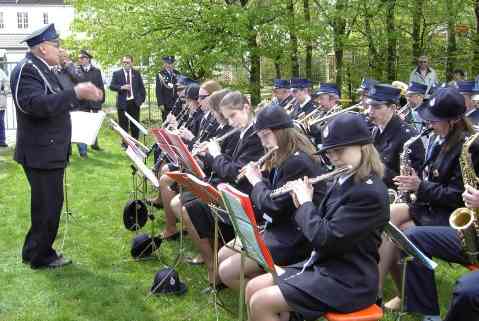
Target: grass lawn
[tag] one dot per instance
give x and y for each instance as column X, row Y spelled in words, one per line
column 104, row 283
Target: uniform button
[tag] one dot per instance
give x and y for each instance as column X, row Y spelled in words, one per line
column 298, row 228
column 51, row 141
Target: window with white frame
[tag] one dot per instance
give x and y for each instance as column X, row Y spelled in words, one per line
column 22, row 20
column 45, row 18
column 2, row 23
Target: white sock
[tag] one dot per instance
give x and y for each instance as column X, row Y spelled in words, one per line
column 432, row 318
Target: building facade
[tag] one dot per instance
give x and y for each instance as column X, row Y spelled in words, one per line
column 19, row 18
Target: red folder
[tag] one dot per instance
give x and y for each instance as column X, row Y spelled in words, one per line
column 164, row 144
column 203, row 190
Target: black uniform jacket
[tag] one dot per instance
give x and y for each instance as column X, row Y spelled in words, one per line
column 474, row 117
column 306, row 109
column 441, row 188
column 282, row 236
column 390, row 143
column 43, row 118
column 227, row 147
column 138, row 88
column 94, row 76
column 226, row 168
column 345, row 232
column 165, row 90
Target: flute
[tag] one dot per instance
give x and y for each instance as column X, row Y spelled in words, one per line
column 202, row 146
column 259, row 162
column 286, row 188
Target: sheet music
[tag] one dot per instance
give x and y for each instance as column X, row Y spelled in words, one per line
column 86, row 126
column 137, row 124
column 138, row 161
column 407, row 246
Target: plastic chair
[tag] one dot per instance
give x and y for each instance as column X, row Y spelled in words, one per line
column 372, row 313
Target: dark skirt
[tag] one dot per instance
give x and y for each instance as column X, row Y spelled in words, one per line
column 310, row 308
column 202, row 219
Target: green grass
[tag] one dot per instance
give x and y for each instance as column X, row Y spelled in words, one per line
column 104, row 283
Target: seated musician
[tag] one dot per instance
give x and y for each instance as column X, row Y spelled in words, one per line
column 363, row 92
column 468, row 88
column 391, row 132
column 345, row 231
column 197, row 216
column 281, row 93
column 303, row 104
column 327, row 98
column 438, row 193
column 168, row 191
column 207, row 121
column 294, row 159
column 415, row 95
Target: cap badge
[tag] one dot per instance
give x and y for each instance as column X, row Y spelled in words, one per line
column 431, row 103
column 172, row 281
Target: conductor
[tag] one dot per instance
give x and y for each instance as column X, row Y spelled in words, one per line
column 43, row 140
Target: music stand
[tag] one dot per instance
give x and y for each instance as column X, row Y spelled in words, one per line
column 241, row 214
column 412, row 252
column 140, row 127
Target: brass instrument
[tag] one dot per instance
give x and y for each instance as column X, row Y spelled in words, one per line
column 289, row 107
column 259, row 162
column 286, row 188
column 332, row 115
column 403, row 111
column 463, row 219
column 202, row 147
column 406, row 167
column 393, row 196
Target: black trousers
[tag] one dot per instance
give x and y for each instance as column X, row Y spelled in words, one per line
column 46, row 205
column 465, row 299
column 434, row 241
column 134, row 111
column 166, row 110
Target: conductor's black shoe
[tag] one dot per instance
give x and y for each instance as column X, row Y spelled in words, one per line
column 3, row 145
column 61, row 261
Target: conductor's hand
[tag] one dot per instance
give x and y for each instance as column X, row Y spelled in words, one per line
column 252, row 173
column 214, row 149
column 471, row 197
column 407, row 183
column 301, row 191
column 125, row 87
column 88, row 91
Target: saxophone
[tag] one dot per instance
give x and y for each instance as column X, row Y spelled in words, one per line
column 406, row 167
column 464, row 219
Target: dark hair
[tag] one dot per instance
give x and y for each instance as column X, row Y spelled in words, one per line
column 129, row 57
column 459, row 71
column 460, row 129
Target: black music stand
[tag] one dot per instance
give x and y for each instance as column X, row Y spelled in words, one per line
column 412, row 252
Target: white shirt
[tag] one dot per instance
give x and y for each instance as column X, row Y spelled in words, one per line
column 243, row 132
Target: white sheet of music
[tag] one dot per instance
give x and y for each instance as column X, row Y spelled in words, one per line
column 138, row 161
column 86, row 126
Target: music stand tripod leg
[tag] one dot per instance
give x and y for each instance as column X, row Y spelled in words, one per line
column 405, row 262
column 242, row 287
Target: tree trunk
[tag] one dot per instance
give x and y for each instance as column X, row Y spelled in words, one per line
column 277, row 68
column 374, row 62
column 255, row 68
column 293, row 40
column 309, row 46
column 451, row 40
column 339, row 27
column 392, row 41
column 417, row 17
column 475, row 64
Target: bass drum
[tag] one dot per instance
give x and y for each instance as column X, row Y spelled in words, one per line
column 135, row 215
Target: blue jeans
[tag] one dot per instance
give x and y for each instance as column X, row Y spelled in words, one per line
column 2, row 127
column 82, row 149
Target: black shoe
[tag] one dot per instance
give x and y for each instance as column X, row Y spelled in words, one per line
column 3, row 145
column 57, row 263
column 152, row 203
column 83, row 156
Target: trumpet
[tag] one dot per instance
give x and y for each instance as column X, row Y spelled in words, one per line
column 289, row 107
column 286, row 188
column 303, row 118
column 403, row 111
column 259, row 162
column 203, row 146
column 327, row 117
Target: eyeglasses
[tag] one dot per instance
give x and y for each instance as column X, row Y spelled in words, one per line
column 201, row 97
column 126, row 62
column 423, row 61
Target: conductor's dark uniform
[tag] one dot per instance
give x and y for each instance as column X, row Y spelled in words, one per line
column 43, row 141
column 165, row 87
